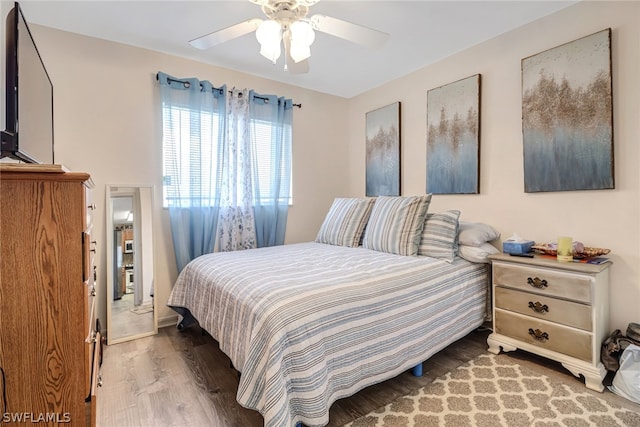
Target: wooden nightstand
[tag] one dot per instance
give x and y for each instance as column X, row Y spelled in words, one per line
column 554, row 309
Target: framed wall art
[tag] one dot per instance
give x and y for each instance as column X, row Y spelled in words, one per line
column 383, row 151
column 453, row 137
column 567, row 116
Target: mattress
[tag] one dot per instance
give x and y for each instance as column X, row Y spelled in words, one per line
column 309, row 323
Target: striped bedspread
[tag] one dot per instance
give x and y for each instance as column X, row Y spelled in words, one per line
column 307, row 324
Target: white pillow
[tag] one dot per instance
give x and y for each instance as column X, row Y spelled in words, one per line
column 477, row 253
column 476, row 233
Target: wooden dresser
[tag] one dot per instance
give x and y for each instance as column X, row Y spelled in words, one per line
column 559, row 310
column 49, row 343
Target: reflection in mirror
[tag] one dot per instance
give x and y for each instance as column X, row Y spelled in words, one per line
column 130, row 270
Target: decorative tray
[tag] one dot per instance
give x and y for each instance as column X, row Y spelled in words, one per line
column 584, row 253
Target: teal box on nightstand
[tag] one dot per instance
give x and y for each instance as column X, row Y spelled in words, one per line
column 519, row 247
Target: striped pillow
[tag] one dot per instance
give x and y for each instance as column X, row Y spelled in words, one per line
column 440, row 235
column 396, row 224
column 345, row 221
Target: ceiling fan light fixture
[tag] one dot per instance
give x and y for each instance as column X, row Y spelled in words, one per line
column 299, row 53
column 269, row 35
column 302, row 32
column 288, row 26
column 272, row 53
column 302, row 37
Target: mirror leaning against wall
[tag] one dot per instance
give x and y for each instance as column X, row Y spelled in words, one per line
column 131, row 309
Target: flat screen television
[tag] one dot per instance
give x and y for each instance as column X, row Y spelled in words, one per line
column 28, row 136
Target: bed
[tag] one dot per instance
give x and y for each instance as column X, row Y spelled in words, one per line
column 309, row 323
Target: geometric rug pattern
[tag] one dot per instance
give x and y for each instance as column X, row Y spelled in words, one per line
column 495, row 390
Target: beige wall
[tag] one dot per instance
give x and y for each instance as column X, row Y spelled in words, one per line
column 605, row 218
column 107, row 123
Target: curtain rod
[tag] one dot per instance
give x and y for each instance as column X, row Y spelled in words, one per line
column 219, row 89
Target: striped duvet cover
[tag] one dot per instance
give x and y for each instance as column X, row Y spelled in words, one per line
column 309, row 323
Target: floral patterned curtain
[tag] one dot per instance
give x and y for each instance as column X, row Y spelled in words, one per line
column 236, row 223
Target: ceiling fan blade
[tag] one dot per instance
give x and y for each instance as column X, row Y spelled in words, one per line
column 226, row 34
column 292, row 66
column 346, row 30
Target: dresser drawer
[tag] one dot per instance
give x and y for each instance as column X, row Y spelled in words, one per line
column 88, row 258
column 96, row 383
column 543, row 281
column 90, row 331
column 90, row 311
column 554, row 337
column 547, row 308
column 90, row 207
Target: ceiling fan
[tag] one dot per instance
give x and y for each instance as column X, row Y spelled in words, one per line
column 287, row 24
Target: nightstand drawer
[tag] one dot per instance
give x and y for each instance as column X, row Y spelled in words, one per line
column 543, row 334
column 554, row 283
column 546, row 308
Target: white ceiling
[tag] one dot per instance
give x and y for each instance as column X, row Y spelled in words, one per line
column 422, row 32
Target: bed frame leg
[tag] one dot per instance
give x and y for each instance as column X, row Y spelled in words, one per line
column 417, row 370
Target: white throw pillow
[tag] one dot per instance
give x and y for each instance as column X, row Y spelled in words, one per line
column 478, row 254
column 476, row 233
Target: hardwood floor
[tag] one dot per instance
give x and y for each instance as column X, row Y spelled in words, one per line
column 183, row 379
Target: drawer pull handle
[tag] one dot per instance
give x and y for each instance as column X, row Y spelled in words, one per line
column 537, row 282
column 99, row 382
column 538, row 335
column 538, row 308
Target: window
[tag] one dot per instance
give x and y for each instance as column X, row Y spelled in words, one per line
column 262, row 133
column 186, row 181
column 191, row 163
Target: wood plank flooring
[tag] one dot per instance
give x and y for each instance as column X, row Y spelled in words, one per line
column 183, row 379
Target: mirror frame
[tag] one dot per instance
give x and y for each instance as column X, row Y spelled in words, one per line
column 109, row 188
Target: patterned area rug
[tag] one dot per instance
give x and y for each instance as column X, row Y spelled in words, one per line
column 497, row 390
column 142, row 309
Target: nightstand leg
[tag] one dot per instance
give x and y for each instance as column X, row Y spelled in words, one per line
column 593, row 377
column 495, row 345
